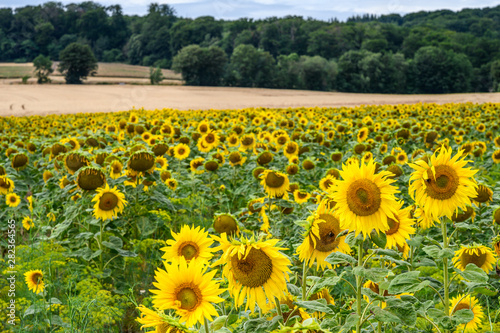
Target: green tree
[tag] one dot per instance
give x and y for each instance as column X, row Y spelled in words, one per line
column 43, row 68
column 317, row 73
column 77, row 62
column 155, row 75
column 200, row 66
column 495, row 75
column 251, row 67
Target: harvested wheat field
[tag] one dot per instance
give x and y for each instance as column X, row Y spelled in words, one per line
column 24, row 100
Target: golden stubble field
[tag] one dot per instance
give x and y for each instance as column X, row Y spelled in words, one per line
column 25, row 100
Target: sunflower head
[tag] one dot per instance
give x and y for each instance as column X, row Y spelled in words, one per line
column 264, row 158
column 141, row 161
column 211, row 165
column 108, row 203
column 292, row 169
column 90, row 178
column 19, row 161
column 484, row 195
column 12, row 200
column 159, row 149
column 160, row 321
column 308, row 164
column 74, row 161
column 464, row 215
column 275, row 183
column 396, row 171
column 336, row 156
column 479, row 255
column 191, row 244
column 496, row 216
column 6, row 185
column 463, row 302
column 34, row 280
column 225, row 223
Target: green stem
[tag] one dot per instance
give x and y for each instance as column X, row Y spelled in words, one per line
column 304, row 279
column 278, row 307
column 206, row 326
column 445, row 271
column 359, row 281
column 100, row 242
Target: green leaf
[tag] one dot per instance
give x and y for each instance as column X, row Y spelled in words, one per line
column 328, row 280
column 424, row 262
column 145, row 226
column 218, row 323
column 113, row 243
column 463, row 316
column 372, row 295
column 350, row 322
column 375, row 274
column 379, row 239
column 319, row 305
column 125, row 253
column 403, row 310
column 474, row 274
column 385, row 316
column 415, row 241
column 59, row 229
column 406, row 283
column 436, row 253
column 337, row 258
column 35, row 308
column 89, row 255
column 386, row 252
column 466, row 226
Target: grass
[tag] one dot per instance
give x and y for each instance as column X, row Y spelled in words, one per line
column 12, row 71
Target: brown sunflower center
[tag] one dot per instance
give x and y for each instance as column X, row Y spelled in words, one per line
column 274, row 180
column 444, row 185
column 473, row 258
column 483, row 194
column 36, row 278
column 181, row 151
column 254, row 270
column 235, row 157
column 210, row 138
column 329, row 228
column 461, row 306
column 12, row 199
column 117, row 168
column 188, row 250
column 189, row 296
column 363, row 197
column 393, row 226
column 108, row 201
column 291, row 149
column 247, row 141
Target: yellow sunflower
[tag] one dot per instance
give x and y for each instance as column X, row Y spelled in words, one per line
column 365, row 199
column 109, row 202
column 171, row 183
column 300, row 196
column 115, row 169
column 443, row 185
column 479, row 255
column 28, row 223
column 188, row 289
column 496, row 156
column 462, row 302
column 496, row 244
column 196, row 165
column 484, row 195
column 400, row 228
column 208, row 141
column 320, row 238
column 193, row 244
column 326, row 183
column 6, row 185
column 181, row 151
column 34, row 280
column 47, row 174
column 161, row 322
column 256, row 270
column 12, row 200
column 401, row 158
column 275, row 183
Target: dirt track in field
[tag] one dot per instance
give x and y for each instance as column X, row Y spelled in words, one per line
column 32, row 99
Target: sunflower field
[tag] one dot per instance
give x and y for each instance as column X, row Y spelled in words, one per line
column 368, row 219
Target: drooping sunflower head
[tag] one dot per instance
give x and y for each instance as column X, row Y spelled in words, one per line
column 74, row 161
column 365, row 199
column 307, row 164
column 90, row 178
column 211, row 165
column 336, row 156
column 34, row 280
column 161, row 322
column 400, row 227
column 19, row 161
column 484, row 195
column 264, row 158
column 464, row 215
column 479, row 255
column 141, row 161
column 255, row 269
column 108, row 202
column 442, row 185
column 159, row 149
column 191, row 244
column 462, row 302
column 320, row 238
column 496, row 216
column 275, row 183
column 188, row 289
column 225, row 223
column 235, row 158
column 396, row 171
column 292, row 169
column 6, row 185
column 196, row 165
column 496, row 244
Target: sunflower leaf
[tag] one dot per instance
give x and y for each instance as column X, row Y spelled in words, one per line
column 319, row 305
column 378, row 238
column 327, row 281
column 350, row 322
column 375, row 274
column 463, row 316
column 387, row 252
column 337, row 258
column 113, row 243
column 372, row 295
column 474, row 274
column 384, row 316
column 403, row 310
column 407, row 283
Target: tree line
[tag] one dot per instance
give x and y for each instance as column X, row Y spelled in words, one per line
column 425, row 52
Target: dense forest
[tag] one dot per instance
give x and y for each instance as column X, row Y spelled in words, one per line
column 425, row 52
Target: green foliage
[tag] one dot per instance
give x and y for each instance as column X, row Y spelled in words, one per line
column 155, row 75
column 77, row 62
column 43, row 68
column 251, row 67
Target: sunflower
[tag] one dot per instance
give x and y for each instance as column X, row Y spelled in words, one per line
column 28, row 223
column 290, row 149
column 496, row 216
column 233, row 140
column 275, row 183
column 496, row 244
column 462, row 302
column 479, row 255
column 171, row 183
column 484, row 195
column 161, row 163
column 235, row 158
column 225, row 223
column 496, row 156
column 141, row 161
column 301, row 197
column 464, row 215
column 115, row 169
column 442, row 185
column 363, row 134
column 400, row 228
column 365, row 200
column 188, row 289
column 74, row 161
column 90, row 178
column 12, row 200
column 192, row 244
column 34, row 280
column 208, row 141
column 161, row 322
column 109, row 202
column 181, row 151
column 6, row 185
column 255, row 270
column 401, row 158
column 320, row 238
column 196, row 165
column 326, row 183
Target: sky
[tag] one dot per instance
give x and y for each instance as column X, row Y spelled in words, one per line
column 319, row 9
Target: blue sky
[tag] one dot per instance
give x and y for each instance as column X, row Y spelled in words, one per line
column 320, row 9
